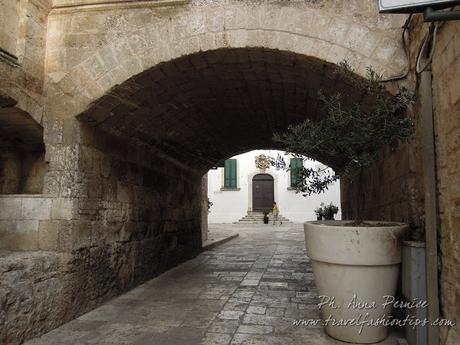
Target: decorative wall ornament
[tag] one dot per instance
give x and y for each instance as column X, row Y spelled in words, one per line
column 262, row 162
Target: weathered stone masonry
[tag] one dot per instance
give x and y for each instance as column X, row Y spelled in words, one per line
column 120, row 221
column 137, row 100
column 446, row 104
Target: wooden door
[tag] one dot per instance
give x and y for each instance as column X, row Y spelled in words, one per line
column 262, row 192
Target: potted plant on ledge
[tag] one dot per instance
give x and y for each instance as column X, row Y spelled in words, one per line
column 330, row 211
column 266, row 211
column 327, row 212
column 319, row 212
column 356, row 262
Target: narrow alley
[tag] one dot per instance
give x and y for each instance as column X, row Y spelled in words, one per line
column 247, row 291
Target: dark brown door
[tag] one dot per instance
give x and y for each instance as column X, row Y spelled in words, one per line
column 262, row 192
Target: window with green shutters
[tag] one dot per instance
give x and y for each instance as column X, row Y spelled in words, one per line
column 296, row 165
column 230, row 180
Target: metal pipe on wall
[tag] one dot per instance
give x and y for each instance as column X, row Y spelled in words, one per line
column 431, row 206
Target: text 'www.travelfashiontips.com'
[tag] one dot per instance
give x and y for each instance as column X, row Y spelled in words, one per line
column 364, row 319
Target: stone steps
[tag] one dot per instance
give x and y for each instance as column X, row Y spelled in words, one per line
column 258, row 217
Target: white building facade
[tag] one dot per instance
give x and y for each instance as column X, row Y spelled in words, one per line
column 243, row 186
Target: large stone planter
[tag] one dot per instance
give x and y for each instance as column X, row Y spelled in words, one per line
column 355, row 267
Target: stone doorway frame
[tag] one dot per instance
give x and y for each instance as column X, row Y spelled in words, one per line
column 251, row 176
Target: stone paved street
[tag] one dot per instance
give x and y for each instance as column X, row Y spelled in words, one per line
column 246, row 291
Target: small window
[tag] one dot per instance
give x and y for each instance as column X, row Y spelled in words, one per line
column 296, row 165
column 230, row 180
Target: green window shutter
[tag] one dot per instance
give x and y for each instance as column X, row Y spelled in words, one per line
column 230, row 180
column 296, row 165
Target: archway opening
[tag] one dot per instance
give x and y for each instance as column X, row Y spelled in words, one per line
column 160, row 131
column 147, row 143
column 236, row 205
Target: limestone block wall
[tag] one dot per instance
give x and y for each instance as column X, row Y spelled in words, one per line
column 23, row 41
column 10, row 26
column 135, row 215
column 391, row 190
column 21, row 218
column 121, row 217
column 90, row 51
column 36, row 289
column 32, row 222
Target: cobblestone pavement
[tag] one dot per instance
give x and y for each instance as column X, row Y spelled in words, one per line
column 245, row 292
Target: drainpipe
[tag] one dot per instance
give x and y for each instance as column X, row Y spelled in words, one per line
column 431, row 206
column 430, row 15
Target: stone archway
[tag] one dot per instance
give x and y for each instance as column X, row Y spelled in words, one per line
column 130, row 169
column 123, row 208
column 106, row 46
column 193, row 108
column 162, row 93
column 145, row 145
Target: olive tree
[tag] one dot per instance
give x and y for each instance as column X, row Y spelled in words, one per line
column 348, row 137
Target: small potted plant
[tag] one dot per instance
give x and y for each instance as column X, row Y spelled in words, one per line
column 319, row 212
column 266, row 211
column 330, row 211
column 353, row 261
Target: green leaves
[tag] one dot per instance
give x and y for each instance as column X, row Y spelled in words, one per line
column 326, row 211
column 348, row 138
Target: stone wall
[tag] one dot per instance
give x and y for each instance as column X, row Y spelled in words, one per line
column 446, row 105
column 36, row 290
column 23, row 38
column 92, row 49
column 128, row 216
column 12, row 11
column 391, row 190
column 21, row 218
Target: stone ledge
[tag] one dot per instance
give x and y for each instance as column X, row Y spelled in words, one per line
column 6, row 196
column 29, row 221
column 216, row 241
column 25, row 207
